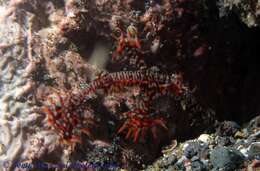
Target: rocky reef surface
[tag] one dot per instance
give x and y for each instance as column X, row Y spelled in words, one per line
column 248, row 11
column 128, row 85
column 230, row 147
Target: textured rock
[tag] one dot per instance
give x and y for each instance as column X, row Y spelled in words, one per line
column 248, row 11
column 23, row 132
column 227, row 128
column 254, row 150
column 227, row 159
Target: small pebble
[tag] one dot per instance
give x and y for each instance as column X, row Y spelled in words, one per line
column 254, row 151
column 224, row 141
column 239, row 134
column 198, row 166
column 205, row 138
column 227, row 128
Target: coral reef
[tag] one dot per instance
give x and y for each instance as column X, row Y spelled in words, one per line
column 105, row 85
column 248, row 11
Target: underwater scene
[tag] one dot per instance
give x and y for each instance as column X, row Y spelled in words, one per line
column 129, row 85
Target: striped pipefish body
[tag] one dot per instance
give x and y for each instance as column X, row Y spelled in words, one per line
column 134, row 78
column 70, row 118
